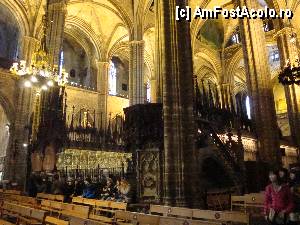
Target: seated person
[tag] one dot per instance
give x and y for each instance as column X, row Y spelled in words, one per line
column 57, row 185
column 123, row 188
column 78, row 187
column 69, row 190
column 89, row 190
column 109, row 191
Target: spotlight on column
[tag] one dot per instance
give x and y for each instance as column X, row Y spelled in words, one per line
column 50, row 83
column 34, row 79
column 25, row 145
column 27, row 84
column 44, row 88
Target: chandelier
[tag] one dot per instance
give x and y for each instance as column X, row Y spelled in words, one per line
column 290, row 74
column 40, row 74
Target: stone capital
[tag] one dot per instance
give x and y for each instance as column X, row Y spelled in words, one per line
column 58, row 6
column 135, row 42
column 102, row 64
column 284, row 31
column 31, row 39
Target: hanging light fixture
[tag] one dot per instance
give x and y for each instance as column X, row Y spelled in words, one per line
column 40, row 74
column 290, row 74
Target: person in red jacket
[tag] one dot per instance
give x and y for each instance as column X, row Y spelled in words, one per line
column 278, row 200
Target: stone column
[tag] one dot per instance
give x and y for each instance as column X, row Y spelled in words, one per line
column 102, row 89
column 136, row 72
column 17, row 157
column 289, row 51
column 153, row 91
column 180, row 171
column 29, row 46
column 158, row 54
column 56, row 21
column 259, row 85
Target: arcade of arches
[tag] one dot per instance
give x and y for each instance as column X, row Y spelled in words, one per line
column 166, row 101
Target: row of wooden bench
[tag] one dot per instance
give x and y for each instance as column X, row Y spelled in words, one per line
column 168, row 216
column 106, row 212
column 81, row 212
column 33, row 216
column 247, row 201
column 59, row 198
column 207, row 215
column 7, row 191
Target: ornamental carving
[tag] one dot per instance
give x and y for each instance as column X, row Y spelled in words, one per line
column 149, row 174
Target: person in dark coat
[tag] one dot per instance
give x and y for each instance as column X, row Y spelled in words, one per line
column 69, row 190
column 89, row 190
column 56, row 188
column 32, row 188
column 78, row 187
column 294, row 184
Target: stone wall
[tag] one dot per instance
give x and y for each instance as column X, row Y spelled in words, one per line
column 89, row 100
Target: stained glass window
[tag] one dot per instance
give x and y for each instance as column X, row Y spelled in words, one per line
column 248, row 107
column 112, row 79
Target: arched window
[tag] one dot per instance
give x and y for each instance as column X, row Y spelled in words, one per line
column 248, row 107
column 112, row 79
column 275, row 56
column 235, row 38
column 61, row 61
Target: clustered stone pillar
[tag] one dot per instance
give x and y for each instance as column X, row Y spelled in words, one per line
column 18, row 156
column 102, row 89
column 180, row 172
column 56, row 21
column 29, row 46
column 136, row 73
column 288, row 51
column 158, row 49
column 259, row 86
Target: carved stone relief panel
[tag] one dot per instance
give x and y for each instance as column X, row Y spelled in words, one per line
column 149, row 175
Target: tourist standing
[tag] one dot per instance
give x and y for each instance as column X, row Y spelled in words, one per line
column 294, row 184
column 278, row 200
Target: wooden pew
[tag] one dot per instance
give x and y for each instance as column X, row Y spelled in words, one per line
column 80, row 221
column 238, row 202
column 128, row 218
column 222, row 216
column 51, row 206
column 4, row 222
column 218, row 200
column 104, row 210
column 32, row 216
column 79, row 211
column 12, row 192
column 24, row 213
column 100, row 211
column 9, row 209
column 254, row 204
column 59, row 198
column 179, row 221
column 23, row 200
column 77, row 200
column 255, row 200
column 171, row 211
column 55, row 221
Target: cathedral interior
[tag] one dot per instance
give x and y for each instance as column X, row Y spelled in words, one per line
column 181, row 113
